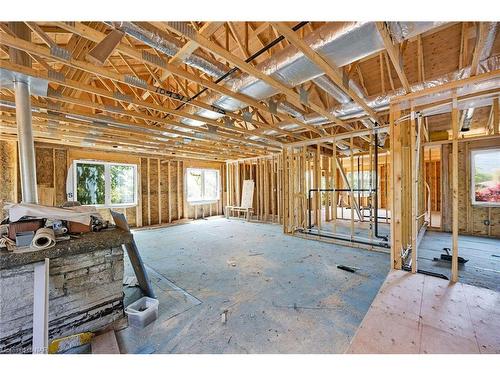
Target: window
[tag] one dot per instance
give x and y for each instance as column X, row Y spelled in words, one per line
column 363, row 183
column 202, row 185
column 105, row 184
column 485, row 179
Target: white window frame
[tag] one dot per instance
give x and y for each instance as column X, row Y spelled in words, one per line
column 202, row 201
column 107, row 183
column 472, row 179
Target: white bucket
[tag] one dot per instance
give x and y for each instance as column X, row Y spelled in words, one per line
column 142, row 312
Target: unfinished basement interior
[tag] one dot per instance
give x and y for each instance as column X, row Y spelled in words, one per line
column 249, row 187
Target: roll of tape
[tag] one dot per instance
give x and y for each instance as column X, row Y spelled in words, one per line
column 44, row 238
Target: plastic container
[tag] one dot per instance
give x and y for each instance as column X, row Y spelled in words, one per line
column 142, row 312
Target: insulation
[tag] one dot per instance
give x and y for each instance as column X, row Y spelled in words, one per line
column 8, row 173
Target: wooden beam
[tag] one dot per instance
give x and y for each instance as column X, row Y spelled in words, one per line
column 455, row 123
column 496, row 115
column 238, row 40
column 394, row 54
column 448, row 86
column 395, row 189
column 96, row 36
column 101, row 52
column 41, row 34
column 414, row 190
column 127, row 99
column 250, row 69
column 327, row 67
column 187, row 49
column 481, row 35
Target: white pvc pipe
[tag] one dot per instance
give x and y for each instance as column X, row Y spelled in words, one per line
column 26, row 144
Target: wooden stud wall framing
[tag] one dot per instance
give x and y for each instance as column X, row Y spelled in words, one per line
column 267, row 176
column 161, row 197
column 454, row 162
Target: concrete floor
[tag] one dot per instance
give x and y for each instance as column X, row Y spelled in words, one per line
column 483, row 267
column 282, row 294
column 415, row 313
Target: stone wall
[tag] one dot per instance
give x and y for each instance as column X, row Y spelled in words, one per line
column 86, row 294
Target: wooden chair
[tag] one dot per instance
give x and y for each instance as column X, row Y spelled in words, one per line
column 246, row 201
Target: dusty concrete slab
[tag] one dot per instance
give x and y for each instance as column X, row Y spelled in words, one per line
column 280, row 294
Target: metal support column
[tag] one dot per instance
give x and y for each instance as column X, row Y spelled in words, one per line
column 26, row 144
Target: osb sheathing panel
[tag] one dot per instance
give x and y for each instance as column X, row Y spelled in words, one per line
column 130, row 214
column 44, row 166
column 61, row 173
column 8, row 173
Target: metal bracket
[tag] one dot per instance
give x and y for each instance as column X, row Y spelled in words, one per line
column 112, row 108
column 119, row 96
column 229, row 122
column 134, row 81
column 273, row 106
column 60, row 52
column 54, row 93
column 183, row 28
column 212, row 128
column 53, row 106
column 247, row 115
column 56, row 76
column 304, row 95
column 153, row 59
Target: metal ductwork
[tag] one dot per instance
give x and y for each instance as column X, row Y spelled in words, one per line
column 340, row 43
column 379, row 103
column 466, row 119
column 170, row 46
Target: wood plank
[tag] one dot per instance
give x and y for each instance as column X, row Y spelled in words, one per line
column 41, row 307
column 455, row 130
column 101, row 52
column 395, row 189
column 394, row 54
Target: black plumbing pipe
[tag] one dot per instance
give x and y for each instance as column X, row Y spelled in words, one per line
column 251, row 58
column 375, row 203
column 428, row 273
column 352, row 240
column 319, row 190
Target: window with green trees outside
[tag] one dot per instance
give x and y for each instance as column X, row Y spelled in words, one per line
column 105, row 184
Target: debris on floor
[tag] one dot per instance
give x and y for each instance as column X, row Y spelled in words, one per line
column 105, row 344
column 130, row 281
column 346, row 268
column 223, row 316
column 64, row 344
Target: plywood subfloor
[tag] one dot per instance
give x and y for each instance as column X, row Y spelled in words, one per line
column 415, row 313
column 281, row 294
